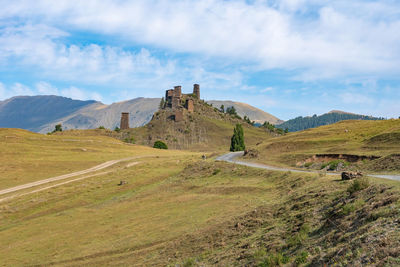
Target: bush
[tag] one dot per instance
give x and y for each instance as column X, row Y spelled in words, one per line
column 160, row 145
column 57, row 128
column 117, row 129
column 302, row 258
column 130, row 140
column 101, row 128
column 358, row 185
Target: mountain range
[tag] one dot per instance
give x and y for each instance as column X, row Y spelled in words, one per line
column 42, row 113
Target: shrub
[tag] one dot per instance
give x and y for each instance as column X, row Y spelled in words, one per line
column 358, row 185
column 57, row 128
column 160, row 145
column 308, row 164
column 301, row 258
column 216, row 171
column 130, row 140
column 117, row 129
column 101, row 127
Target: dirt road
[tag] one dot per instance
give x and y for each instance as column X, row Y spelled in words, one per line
column 65, row 176
column 231, row 157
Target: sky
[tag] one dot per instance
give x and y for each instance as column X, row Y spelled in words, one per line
column 289, row 58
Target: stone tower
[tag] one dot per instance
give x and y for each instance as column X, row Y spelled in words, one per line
column 176, row 99
column 169, row 94
column 189, row 105
column 196, row 90
column 124, row 121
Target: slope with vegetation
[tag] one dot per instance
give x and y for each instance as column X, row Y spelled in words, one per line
column 42, row 113
column 303, row 123
column 176, row 209
column 363, row 145
column 243, row 109
column 205, row 129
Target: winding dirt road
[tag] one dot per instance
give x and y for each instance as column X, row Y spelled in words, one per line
column 231, row 157
column 65, row 176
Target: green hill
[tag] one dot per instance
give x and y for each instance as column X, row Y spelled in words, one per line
column 366, row 144
column 303, row 123
column 204, row 129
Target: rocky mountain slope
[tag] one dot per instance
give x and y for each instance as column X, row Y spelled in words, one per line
column 42, row 113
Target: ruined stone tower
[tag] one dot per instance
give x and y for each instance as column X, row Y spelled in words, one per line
column 189, row 105
column 196, row 90
column 169, row 94
column 124, row 121
column 176, row 98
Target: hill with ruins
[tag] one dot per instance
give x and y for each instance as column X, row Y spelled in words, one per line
column 42, row 113
column 184, row 121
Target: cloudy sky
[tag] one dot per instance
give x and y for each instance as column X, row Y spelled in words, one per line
column 289, row 57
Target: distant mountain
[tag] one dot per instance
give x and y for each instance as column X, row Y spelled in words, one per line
column 244, row 109
column 31, row 112
column 42, row 113
column 140, row 109
column 302, row 123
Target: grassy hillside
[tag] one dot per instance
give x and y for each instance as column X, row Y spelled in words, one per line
column 27, row 157
column 179, row 210
column 360, row 138
column 302, row 123
column 206, row 129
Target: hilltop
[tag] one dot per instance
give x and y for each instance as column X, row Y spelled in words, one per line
column 303, row 123
column 191, row 123
column 42, row 113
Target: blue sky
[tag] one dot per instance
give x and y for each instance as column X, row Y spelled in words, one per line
column 289, row 58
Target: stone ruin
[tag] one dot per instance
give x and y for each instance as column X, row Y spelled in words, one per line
column 181, row 103
column 124, row 121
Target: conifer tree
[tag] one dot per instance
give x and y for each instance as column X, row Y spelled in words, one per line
column 237, row 140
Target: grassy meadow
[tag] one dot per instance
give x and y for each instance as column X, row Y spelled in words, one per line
column 369, row 138
column 176, row 209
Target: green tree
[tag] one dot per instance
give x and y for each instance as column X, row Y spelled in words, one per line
column 237, row 140
column 160, row 145
column 57, row 128
column 222, row 108
column 162, row 103
column 117, row 129
column 231, row 110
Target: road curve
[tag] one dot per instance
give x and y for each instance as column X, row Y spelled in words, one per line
column 65, row 176
column 231, row 157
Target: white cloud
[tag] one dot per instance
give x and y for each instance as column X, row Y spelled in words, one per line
column 76, row 93
column 334, row 38
column 267, row 89
column 20, row 89
column 2, row 91
column 46, row 88
column 356, row 98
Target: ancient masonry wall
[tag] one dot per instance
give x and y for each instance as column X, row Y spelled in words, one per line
column 124, row 121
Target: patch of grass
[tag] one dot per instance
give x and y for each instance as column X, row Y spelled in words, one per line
column 351, row 207
column 358, row 185
column 301, row 258
column 301, row 236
